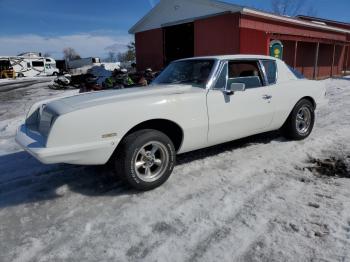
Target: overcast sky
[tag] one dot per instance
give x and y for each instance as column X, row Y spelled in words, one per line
column 94, row 27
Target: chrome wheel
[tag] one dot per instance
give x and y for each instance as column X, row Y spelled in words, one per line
column 151, row 161
column 303, row 120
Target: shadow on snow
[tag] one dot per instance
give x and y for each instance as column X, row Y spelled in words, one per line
column 23, row 180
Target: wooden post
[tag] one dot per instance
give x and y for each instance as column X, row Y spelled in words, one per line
column 347, row 60
column 316, row 60
column 333, row 58
column 295, row 54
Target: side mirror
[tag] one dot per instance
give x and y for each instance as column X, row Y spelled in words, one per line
column 234, row 87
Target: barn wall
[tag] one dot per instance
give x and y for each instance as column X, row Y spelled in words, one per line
column 325, row 61
column 218, row 35
column 236, row 33
column 149, row 49
column 345, row 26
column 253, row 42
column 288, row 52
column 306, row 55
column 278, row 27
column 347, row 60
column 339, row 60
column 306, row 58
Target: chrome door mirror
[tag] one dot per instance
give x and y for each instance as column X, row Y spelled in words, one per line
column 234, row 87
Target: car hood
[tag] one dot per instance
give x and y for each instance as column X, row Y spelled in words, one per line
column 87, row 100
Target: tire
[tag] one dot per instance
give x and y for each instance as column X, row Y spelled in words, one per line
column 20, row 75
column 300, row 122
column 145, row 159
column 55, row 74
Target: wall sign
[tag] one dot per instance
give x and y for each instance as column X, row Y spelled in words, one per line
column 276, row 49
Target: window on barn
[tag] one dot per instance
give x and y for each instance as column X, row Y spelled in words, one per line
column 246, row 72
column 271, row 71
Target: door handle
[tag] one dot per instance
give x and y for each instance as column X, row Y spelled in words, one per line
column 267, row 97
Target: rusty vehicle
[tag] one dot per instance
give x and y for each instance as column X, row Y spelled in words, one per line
column 6, row 69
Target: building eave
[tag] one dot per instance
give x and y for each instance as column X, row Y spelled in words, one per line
column 292, row 20
column 227, row 8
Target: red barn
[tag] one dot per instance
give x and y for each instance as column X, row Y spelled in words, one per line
column 176, row 29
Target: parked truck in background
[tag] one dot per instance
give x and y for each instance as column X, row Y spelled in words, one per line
column 82, row 65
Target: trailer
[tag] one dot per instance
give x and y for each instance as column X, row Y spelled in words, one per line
column 83, row 65
column 32, row 64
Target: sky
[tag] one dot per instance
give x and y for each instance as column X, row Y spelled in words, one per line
column 93, row 28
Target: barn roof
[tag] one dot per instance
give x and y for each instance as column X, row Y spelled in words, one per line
column 169, row 12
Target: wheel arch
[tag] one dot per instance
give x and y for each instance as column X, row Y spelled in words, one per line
column 168, row 127
column 309, row 98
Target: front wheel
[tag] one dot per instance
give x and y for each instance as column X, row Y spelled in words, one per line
column 145, row 159
column 300, row 122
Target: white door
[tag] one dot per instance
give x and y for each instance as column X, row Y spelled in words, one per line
column 245, row 112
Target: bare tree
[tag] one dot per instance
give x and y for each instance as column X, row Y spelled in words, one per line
column 292, row 7
column 287, row 7
column 129, row 55
column 70, row 54
column 312, row 11
column 111, row 57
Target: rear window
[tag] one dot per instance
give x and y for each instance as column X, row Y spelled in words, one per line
column 296, row 73
column 271, row 71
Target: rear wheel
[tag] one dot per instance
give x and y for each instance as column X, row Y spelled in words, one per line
column 300, row 122
column 20, row 75
column 145, row 159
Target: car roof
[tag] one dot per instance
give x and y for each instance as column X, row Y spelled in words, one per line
column 231, row 57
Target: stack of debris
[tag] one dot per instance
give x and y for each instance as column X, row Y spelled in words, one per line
column 99, row 78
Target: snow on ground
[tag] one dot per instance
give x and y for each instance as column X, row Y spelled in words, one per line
column 23, row 79
column 249, row 200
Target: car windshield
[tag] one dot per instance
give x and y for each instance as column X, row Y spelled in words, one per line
column 189, row 72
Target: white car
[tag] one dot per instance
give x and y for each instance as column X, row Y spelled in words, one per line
column 194, row 103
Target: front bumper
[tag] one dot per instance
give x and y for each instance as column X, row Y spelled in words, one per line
column 96, row 153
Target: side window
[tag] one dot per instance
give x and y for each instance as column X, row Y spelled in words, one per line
column 221, row 82
column 38, row 64
column 246, row 72
column 271, row 71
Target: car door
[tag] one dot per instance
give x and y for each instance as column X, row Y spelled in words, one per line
column 242, row 113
